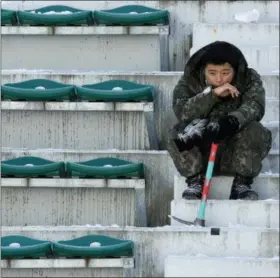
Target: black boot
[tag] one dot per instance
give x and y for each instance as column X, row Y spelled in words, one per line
column 241, row 189
column 195, row 186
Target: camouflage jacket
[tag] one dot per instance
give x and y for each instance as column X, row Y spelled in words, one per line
column 190, row 101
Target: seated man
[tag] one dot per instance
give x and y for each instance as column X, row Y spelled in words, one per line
column 219, row 99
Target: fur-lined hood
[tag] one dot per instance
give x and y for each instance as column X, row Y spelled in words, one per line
column 194, row 69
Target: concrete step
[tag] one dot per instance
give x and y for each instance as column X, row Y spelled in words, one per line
column 181, row 25
column 68, row 267
column 159, row 174
column 73, row 201
column 153, row 245
column 99, row 47
column 266, row 184
column 261, row 58
column 204, row 266
column 164, row 115
column 237, row 33
column 225, row 213
column 118, row 127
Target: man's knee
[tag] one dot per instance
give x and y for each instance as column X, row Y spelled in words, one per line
column 187, row 163
column 255, row 136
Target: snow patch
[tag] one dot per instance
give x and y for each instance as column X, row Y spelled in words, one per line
column 196, row 127
column 247, row 17
column 53, row 12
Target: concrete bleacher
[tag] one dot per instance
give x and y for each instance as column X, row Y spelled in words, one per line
column 247, row 242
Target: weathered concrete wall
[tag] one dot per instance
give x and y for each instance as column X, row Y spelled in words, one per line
column 182, row 15
column 186, row 266
column 153, row 245
column 104, row 52
column 67, row 206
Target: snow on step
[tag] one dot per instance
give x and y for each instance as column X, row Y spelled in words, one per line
column 267, row 186
column 262, row 58
column 228, row 213
column 203, row 266
column 236, row 33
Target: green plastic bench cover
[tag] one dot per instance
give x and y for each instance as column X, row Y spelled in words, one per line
column 30, row 166
column 131, row 15
column 18, row 247
column 115, row 90
column 94, row 246
column 56, row 15
column 37, row 90
column 105, row 167
column 8, row 17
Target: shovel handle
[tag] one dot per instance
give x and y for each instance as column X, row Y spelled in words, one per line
column 207, row 181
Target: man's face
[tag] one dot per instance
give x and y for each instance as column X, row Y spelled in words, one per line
column 217, row 75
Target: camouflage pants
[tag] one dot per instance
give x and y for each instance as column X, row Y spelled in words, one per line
column 242, row 154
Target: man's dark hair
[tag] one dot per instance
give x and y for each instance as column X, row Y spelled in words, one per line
column 220, row 54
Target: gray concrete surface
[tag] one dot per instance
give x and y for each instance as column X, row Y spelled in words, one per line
column 182, row 15
column 153, row 245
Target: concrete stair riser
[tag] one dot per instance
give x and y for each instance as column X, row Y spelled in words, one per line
column 259, row 214
column 236, row 33
column 187, row 266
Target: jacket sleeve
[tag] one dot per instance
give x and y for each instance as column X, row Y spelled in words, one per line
column 253, row 101
column 189, row 105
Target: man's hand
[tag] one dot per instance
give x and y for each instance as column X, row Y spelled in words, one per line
column 226, row 90
column 224, row 128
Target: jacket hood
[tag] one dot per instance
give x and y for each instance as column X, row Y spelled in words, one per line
column 194, row 69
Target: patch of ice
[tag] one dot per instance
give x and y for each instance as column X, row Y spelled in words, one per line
column 247, row 17
column 115, row 226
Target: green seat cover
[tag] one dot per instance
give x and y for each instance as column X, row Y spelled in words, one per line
column 18, row 247
column 8, row 17
column 132, row 15
column 106, row 167
column 56, row 15
column 37, row 90
column 30, row 166
column 115, row 90
column 94, row 246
